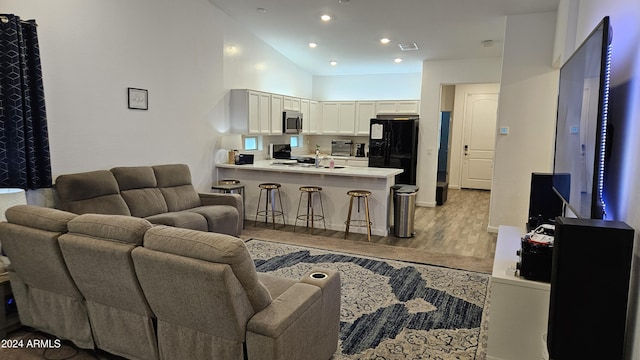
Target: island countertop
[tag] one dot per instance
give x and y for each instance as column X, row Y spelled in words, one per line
column 334, row 182
column 280, row 166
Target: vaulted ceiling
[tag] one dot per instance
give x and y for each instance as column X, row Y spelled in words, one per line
column 441, row 29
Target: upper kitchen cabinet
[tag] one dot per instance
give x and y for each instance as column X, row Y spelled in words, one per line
column 315, row 120
column 311, row 116
column 256, row 112
column 365, row 111
column 339, row 117
column 250, row 112
column 291, row 103
column 277, row 108
column 305, row 110
column 398, row 107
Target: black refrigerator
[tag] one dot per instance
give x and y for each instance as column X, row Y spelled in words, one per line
column 393, row 143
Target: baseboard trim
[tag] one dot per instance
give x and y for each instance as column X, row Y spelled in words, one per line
column 426, row 203
column 492, row 229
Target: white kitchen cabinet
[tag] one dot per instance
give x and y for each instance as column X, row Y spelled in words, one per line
column 347, row 120
column 262, row 115
column 386, row 107
column 305, row 110
column 257, row 112
column 311, row 116
column 277, row 107
column 250, row 112
column 330, row 116
column 398, row 107
column 338, row 117
column 409, row 107
column 291, row 103
column 365, row 111
column 315, row 120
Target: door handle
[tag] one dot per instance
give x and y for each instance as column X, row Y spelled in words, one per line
column 466, row 149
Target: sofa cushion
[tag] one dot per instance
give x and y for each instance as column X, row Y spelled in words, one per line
column 138, row 187
column 174, row 180
column 23, row 244
column 119, row 228
column 181, row 219
column 39, row 217
column 222, row 219
column 91, row 192
column 218, row 248
column 97, row 250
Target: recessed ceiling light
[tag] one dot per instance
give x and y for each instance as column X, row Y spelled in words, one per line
column 487, row 43
column 325, row 17
column 344, row 2
column 333, row 63
column 313, row 45
column 397, row 60
column 385, row 41
column 261, row 10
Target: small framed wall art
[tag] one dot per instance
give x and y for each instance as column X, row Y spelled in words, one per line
column 138, row 98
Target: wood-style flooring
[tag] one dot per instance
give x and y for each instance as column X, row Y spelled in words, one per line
column 458, row 228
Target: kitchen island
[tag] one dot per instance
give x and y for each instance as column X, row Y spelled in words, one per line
column 334, row 182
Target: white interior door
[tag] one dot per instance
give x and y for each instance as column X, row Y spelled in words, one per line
column 480, row 116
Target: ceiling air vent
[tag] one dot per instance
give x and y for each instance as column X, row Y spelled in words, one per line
column 408, row 46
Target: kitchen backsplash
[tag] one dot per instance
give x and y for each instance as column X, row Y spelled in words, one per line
column 308, row 145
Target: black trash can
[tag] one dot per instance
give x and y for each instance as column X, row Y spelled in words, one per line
column 404, row 209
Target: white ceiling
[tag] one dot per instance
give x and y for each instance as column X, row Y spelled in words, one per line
column 442, row 29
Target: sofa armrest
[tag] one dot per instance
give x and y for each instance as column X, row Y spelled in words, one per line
column 284, row 310
column 234, row 200
column 303, row 322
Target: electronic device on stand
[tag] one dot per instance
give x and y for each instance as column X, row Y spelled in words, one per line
column 536, row 253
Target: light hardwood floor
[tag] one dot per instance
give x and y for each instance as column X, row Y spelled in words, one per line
column 457, row 228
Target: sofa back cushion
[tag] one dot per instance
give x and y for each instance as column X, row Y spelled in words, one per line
column 30, row 239
column 139, row 189
column 91, row 192
column 216, row 248
column 97, row 250
column 46, row 295
column 174, row 181
column 191, row 296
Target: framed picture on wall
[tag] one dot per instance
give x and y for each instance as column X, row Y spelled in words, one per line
column 138, row 98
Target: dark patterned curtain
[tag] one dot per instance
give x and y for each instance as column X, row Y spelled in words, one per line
column 24, row 141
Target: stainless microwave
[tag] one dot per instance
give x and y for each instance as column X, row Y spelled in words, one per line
column 291, row 122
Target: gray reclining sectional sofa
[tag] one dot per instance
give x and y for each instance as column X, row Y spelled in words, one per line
column 144, row 291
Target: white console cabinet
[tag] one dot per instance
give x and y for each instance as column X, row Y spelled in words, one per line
column 519, row 308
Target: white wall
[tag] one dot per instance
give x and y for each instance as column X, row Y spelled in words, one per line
column 565, row 39
column 93, row 50
column 367, row 87
column 434, row 74
column 249, row 63
column 528, row 98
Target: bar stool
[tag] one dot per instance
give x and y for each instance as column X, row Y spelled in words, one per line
column 271, row 189
column 230, row 186
column 359, row 194
column 310, row 215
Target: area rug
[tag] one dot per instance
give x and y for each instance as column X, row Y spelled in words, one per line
column 393, row 309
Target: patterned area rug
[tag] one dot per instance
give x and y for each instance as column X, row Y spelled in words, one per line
column 393, row 309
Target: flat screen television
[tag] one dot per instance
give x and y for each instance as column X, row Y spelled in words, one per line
column 581, row 127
